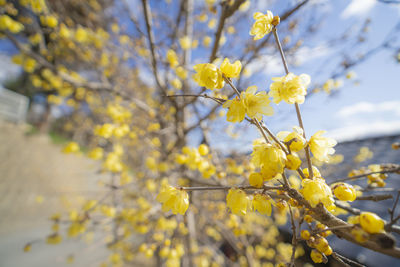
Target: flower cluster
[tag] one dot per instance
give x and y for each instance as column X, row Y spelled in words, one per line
column 209, row 76
column 316, row 191
column 197, row 159
column 269, row 158
column 294, row 140
column 251, row 103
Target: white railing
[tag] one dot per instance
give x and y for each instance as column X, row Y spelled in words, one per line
column 13, row 106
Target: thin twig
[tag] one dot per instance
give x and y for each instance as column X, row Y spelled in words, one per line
column 307, row 149
column 340, row 260
column 150, row 38
column 389, row 170
column 375, row 197
column 333, row 228
column 348, row 260
column 202, row 188
column 232, row 85
column 294, row 237
column 216, row 99
column 392, row 210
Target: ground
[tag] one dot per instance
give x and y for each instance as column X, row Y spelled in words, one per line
column 31, row 168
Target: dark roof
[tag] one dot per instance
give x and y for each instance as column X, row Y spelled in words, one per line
column 383, row 153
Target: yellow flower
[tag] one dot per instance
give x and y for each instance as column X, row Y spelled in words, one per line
column 202, row 17
column 172, row 58
column 7, row 23
column 256, row 179
column 231, row 30
column 237, row 110
column 256, row 104
column 203, row 149
column 173, row 199
column 54, row 239
column 270, row 158
column 344, row 192
column 295, row 139
column 81, row 35
column 185, row 42
column 237, row 201
column 316, row 172
column 244, row 6
column 106, row 130
column 206, row 41
column 263, row 24
column 290, row 88
column 316, row 256
column 96, row 153
column 113, row 162
column 363, row 155
column 317, row 191
column 371, row 223
column 262, row 203
column 351, row 75
column 27, row 247
column 322, row 147
column 231, row 70
column 64, row 31
column 181, row 72
column 51, row 21
column 360, row 235
column 176, row 83
column 71, row 147
column 293, row 161
column 212, row 23
column 208, row 75
column 305, row 234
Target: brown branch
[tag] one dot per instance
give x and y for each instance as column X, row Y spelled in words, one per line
column 321, row 214
column 202, row 188
column 375, row 197
column 391, row 211
column 342, row 258
column 150, row 39
column 226, row 12
column 216, row 99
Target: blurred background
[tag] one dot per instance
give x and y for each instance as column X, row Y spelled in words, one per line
column 350, row 48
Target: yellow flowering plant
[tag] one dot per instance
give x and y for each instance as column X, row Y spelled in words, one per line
column 172, row 194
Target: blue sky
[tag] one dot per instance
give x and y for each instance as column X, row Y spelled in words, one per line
column 357, row 110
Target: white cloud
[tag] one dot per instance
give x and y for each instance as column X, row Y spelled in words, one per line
column 365, row 130
column 271, row 64
column 357, row 8
column 367, row 107
column 267, row 64
column 306, row 53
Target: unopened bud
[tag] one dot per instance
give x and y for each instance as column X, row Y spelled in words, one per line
column 276, row 20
